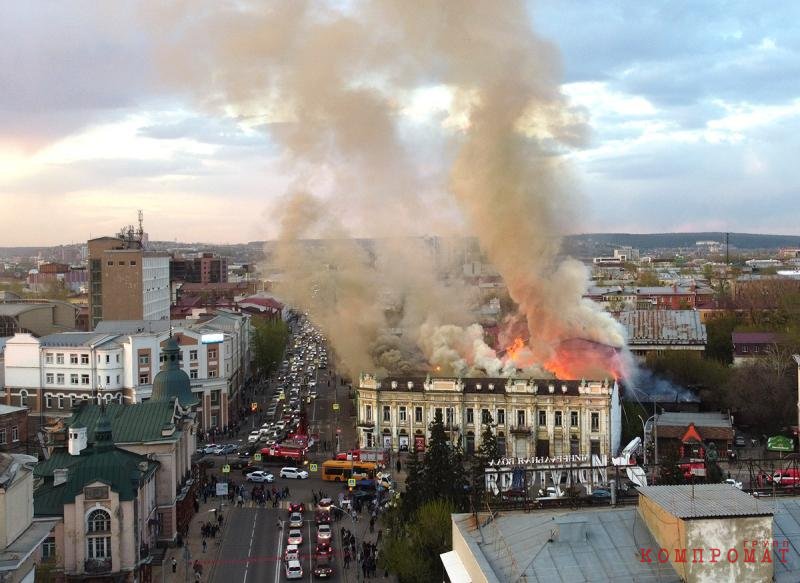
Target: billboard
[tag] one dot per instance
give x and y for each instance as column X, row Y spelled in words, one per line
column 212, row 338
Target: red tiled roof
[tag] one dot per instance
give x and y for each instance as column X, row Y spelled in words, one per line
column 755, row 337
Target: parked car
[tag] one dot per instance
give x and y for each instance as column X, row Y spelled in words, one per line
column 324, row 533
column 294, row 570
column 733, row 483
column 229, row 448
column 295, row 537
column 210, row 448
column 294, row 473
column 260, row 476
column 295, row 520
column 601, row 495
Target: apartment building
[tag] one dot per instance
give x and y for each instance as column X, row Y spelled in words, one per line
column 532, row 417
column 126, row 282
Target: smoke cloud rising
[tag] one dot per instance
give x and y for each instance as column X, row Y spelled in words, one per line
column 337, row 87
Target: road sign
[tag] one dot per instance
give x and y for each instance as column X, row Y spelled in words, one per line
column 226, row 469
column 313, row 467
column 256, row 457
column 336, row 406
column 222, row 488
column 351, row 482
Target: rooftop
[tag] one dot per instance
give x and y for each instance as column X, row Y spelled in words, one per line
column 139, row 423
column 706, row 501
column 663, row 327
column 14, row 310
column 699, row 419
column 755, row 337
column 133, row 326
column 489, row 385
column 76, row 339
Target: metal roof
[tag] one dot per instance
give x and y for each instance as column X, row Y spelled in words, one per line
column 663, row 327
column 706, row 501
column 133, row 326
column 76, row 339
column 699, row 419
column 14, row 310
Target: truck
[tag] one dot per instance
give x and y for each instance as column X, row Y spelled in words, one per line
column 374, row 455
column 283, row 453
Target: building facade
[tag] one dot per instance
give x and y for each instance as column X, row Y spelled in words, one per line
column 532, row 417
column 126, row 282
column 14, row 436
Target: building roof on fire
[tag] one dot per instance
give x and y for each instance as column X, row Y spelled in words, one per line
column 488, row 385
column 675, row 327
column 706, row 501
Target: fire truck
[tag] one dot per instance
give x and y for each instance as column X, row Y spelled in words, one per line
column 282, row 453
column 374, row 455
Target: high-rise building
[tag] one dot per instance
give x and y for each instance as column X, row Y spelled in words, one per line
column 206, row 268
column 126, row 282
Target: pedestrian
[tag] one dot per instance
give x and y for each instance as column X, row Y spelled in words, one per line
column 174, row 565
column 197, row 577
column 398, row 466
column 205, row 545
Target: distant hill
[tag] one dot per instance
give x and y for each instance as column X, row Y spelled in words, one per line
column 648, row 241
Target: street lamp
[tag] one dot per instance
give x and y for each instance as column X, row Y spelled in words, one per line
column 644, row 434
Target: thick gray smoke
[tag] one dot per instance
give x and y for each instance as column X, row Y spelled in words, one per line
column 336, row 86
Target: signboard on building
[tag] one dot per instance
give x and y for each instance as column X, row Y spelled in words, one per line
column 212, row 338
column 528, row 477
column 419, row 443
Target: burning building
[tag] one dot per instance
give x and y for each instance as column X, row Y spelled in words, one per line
column 533, row 417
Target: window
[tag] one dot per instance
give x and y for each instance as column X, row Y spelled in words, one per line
column 215, row 397
column 484, row 415
column 109, row 263
column 501, row 416
column 133, row 263
column 49, row 548
column 402, row 414
column 470, row 417
column 557, row 421
column 542, row 417
column 98, row 530
column 60, row 378
column 755, row 348
column 595, row 421
column 23, row 398
column 520, row 417
column 61, row 401
column 108, row 358
column 192, row 355
column 449, row 416
column 212, row 354
column 368, row 412
column 49, row 377
column 48, row 401
column 214, row 421
column 594, row 447
column 84, row 379
column 59, row 358
column 117, row 357
column 72, row 399
column 73, row 379
column 48, row 358
column 144, row 379
column 73, row 359
column 744, row 348
column 193, row 373
column 387, row 415
column 418, row 414
column 84, row 359
column 144, row 359
column 3, row 439
column 212, row 374
column 117, row 379
column 108, row 380
column 573, row 418
column 437, row 413
column 120, row 263
column 15, row 433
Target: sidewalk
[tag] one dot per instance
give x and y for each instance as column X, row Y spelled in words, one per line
column 194, row 545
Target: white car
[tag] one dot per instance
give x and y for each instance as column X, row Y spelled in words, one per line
column 324, row 533
column 253, row 436
column 294, row 473
column 210, row 448
column 296, row 537
column 292, row 553
column 733, row 483
column 296, row 520
column 260, row 476
column 294, row 570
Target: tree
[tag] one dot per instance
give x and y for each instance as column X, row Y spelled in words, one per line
column 720, row 344
column 758, row 394
column 415, row 491
column 487, row 451
column 647, row 278
column 412, row 549
column 269, row 343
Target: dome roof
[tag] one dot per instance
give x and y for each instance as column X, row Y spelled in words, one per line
column 173, row 382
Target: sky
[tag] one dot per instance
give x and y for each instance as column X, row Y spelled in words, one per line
column 693, row 111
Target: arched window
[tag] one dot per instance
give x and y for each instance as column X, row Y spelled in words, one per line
column 98, row 535
column 23, row 398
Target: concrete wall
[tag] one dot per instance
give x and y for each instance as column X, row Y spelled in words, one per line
column 16, row 507
column 668, row 531
column 22, row 362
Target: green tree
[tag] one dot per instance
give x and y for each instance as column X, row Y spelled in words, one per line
column 412, row 549
column 487, row 451
column 269, row 343
column 647, row 278
column 415, row 490
column 720, row 343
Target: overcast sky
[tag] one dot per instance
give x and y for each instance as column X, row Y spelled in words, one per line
column 694, row 110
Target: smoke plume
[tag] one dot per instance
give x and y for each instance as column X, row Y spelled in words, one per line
column 335, row 85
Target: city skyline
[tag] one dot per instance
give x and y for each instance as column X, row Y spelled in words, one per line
column 691, row 120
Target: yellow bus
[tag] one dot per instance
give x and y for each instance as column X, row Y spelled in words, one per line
column 341, row 470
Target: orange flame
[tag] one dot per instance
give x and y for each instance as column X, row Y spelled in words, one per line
column 513, row 350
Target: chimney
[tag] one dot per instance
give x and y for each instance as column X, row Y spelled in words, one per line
column 60, row 476
column 77, row 440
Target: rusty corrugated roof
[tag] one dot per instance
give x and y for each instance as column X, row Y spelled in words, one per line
column 663, row 327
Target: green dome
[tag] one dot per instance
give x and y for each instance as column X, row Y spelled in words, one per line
column 173, row 382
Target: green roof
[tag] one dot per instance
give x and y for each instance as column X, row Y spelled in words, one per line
column 117, row 468
column 137, row 423
column 173, row 382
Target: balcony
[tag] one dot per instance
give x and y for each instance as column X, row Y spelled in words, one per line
column 366, row 424
column 97, row 565
column 522, row 429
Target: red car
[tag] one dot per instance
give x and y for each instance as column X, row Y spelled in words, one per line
column 296, row 507
column 324, row 550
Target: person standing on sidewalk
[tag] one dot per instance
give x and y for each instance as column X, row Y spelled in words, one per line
column 174, row 565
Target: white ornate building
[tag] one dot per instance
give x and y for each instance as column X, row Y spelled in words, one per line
column 532, row 417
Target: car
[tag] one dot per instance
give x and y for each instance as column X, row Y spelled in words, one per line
column 295, row 537
column 253, row 436
column 312, row 393
column 324, row 533
column 218, row 450
column 294, row 473
column 296, row 520
column 323, row 567
column 740, row 441
column 239, row 464
column 322, row 517
column 324, row 504
column 601, row 495
column 294, row 570
column 733, row 483
column 297, row 507
column 210, row 448
column 230, row 448
column 292, row 553
column 323, row 549
column 260, row 476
